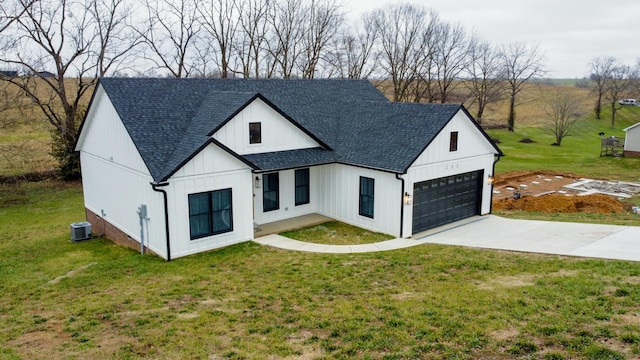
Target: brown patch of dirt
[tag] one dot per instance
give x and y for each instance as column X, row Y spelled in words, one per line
column 596, row 203
column 504, row 334
column 544, row 192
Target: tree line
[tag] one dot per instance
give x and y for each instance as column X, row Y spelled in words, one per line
column 61, row 47
column 611, row 81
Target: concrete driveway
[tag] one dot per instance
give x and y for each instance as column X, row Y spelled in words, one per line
column 493, row 232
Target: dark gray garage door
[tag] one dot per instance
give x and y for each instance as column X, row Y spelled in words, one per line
column 441, row 201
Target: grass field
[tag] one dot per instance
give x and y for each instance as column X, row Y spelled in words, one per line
column 579, row 154
column 96, row 300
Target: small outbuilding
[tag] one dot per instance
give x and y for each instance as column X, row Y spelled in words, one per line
column 183, row 166
column 632, row 140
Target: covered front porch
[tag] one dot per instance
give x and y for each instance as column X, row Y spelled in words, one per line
column 288, row 224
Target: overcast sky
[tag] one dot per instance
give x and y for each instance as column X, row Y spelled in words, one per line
column 569, row 32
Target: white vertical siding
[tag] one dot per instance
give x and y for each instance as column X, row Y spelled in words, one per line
column 210, row 160
column 115, row 179
column 340, row 186
column 288, row 208
column 104, row 136
column 119, row 191
column 211, row 169
column 632, row 139
column 239, row 182
column 471, row 142
column 334, row 192
column 275, row 130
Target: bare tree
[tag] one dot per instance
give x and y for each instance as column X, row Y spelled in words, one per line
column 520, row 64
column 170, row 32
column 563, row 110
column 353, row 56
column 116, row 39
column 486, row 77
column 322, row 22
column 11, row 12
column 600, row 71
column 617, row 85
column 403, row 32
column 451, row 57
column 250, row 47
column 220, row 22
column 60, row 47
column 285, row 47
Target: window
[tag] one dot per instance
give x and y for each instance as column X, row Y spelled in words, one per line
column 453, row 141
column 366, row 196
column 210, row 213
column 255, row 133
column 302, row 187
column 270, row 192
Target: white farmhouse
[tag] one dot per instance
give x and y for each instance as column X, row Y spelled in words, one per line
column 211, row 158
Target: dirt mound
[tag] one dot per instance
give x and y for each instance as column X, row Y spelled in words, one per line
column 555, row 203
column 546, row 192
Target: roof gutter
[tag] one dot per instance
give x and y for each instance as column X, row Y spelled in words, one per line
column 493, row 174
column 401, row 202
column 157, row 187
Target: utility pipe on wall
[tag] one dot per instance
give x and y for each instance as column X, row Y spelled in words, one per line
column 156, row 187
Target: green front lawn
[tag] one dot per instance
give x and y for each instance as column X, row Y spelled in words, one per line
column 336, row 233
column 97, row 300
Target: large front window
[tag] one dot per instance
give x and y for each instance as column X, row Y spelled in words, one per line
column 302, row 186
column 270, row 192
column 210, row 213
column 366, row 196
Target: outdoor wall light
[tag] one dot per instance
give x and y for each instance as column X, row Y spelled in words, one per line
column 490, row 180
column 407, row 198
column 257, row 182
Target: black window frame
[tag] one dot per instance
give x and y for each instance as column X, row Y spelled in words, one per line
column 366, row 203
column 453, row 141
column 270, row 185
column 255, row 133
column 211, row 213
column 302, row 186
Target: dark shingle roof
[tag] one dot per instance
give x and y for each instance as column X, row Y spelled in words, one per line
column 169, row 120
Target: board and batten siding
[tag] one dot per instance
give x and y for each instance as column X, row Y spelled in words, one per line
column 340, row 188
column 288, row 208
column 275, row 129
column 104, row 135
column 474, row 153
column 211, row 169
column 115, row 180
column 118, row 191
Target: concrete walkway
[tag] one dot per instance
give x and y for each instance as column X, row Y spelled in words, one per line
column 493, row 232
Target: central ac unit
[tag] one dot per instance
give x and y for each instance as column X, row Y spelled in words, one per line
column 80, row 231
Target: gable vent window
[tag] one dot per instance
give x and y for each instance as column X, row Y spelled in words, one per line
column 255, row 133
column 453, row 141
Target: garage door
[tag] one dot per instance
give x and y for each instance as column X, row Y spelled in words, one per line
column 444, row 200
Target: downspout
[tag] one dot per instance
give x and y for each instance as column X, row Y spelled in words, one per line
column 156, row 187
column 401, row 203
column 493, row 173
